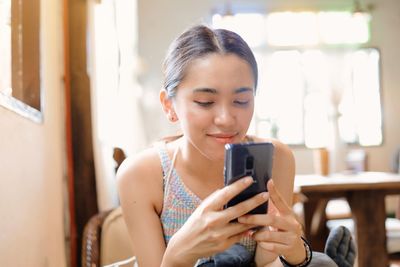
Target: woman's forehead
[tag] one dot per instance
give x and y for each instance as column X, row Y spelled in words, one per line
column 218, row 69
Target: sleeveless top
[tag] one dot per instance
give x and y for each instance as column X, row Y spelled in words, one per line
column 179, row 201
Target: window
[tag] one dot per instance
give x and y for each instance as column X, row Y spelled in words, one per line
column 314, row 28
column 19, row 56
column 315, row 83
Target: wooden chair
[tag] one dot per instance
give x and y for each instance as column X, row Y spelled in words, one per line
column 105, row 238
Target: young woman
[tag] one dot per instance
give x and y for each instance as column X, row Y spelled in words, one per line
column 172, row 194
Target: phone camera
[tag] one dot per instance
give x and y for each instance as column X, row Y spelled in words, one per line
column 249, row 162
column 249, row 165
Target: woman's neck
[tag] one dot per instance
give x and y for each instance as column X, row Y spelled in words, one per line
column 197, row 164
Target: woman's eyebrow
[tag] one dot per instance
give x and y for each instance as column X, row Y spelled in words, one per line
column 243, row 90
column 214, row 91
column 205, row 90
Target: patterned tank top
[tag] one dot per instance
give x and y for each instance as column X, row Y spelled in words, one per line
column 179, row 201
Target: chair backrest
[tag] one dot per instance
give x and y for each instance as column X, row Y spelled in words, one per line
column 115, row 242
column 119, row 156
column 396, row 161
column 105, row 239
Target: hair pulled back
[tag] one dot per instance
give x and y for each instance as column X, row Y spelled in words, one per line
column 197, row 42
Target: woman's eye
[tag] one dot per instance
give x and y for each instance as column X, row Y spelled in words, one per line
column 204, row 103
column 241, row 102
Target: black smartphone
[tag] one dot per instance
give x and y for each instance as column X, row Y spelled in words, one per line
column 249, row 159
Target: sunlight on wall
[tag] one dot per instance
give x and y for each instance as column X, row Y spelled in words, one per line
column 117, row 117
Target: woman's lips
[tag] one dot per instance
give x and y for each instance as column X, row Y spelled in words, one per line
column 223, row 138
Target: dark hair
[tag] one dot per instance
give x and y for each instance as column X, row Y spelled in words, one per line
column 197, row 42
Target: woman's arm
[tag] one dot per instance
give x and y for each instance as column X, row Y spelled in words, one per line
column 140, row 191
column 283, row 171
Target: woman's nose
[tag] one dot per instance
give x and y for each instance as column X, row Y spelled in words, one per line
column 224, row 117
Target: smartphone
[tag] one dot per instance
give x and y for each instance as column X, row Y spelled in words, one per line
column 249, row 159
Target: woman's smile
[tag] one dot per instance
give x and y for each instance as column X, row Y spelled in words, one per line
column 223, row 138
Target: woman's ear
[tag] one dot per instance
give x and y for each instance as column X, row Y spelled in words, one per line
column 168, row 106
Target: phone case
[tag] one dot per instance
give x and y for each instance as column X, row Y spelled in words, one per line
column 249, row 159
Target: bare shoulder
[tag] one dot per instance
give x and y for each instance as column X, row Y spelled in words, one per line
column 142, row 167
column 282, row 152
column 137, row 174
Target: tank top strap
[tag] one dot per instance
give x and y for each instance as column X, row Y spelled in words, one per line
column 167, row 166
column 164, row 158
column 171, row 165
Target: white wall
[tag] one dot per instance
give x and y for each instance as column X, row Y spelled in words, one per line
column 386, row 36
column 31, row 164
column 161, row 21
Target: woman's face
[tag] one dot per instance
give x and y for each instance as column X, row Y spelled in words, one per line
column 215, row 103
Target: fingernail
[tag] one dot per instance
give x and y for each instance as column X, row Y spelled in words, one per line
column 252, row 232
column 247, row 180
column 249, row 233
column 264, row 195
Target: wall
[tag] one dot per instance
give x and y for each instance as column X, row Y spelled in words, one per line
column 161, row 21
column 385, row 36
column 31, row 164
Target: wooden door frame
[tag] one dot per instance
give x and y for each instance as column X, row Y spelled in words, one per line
column 82, row 199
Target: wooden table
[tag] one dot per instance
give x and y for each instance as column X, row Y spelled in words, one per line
column 365, row 193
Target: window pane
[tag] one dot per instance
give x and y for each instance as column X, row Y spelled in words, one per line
column 316, row 102
column 343, row 27
column 303, row 95
column 361, row 108
column 292, row 28
column 280, row 98
column 313, row 28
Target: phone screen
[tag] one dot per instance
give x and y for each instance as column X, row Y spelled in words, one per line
column 249, row 159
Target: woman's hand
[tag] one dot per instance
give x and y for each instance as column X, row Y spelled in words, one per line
column 281, row 232
column 208, row 230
